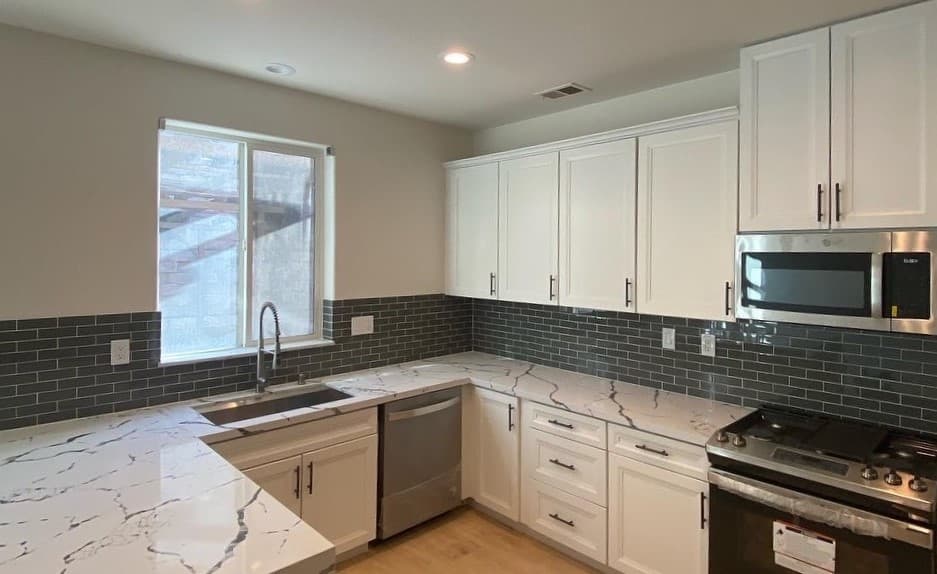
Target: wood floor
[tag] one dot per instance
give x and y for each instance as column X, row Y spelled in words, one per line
column 463, row 541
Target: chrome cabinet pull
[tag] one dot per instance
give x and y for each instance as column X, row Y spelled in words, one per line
column 839, row 192
column 728, row 304
column 556, row 517
column 491, row 284
column 627, row 292
column 310, row 478
column 819, row 203
column 552, row 281
column 563, row 464
column 559, row 424
column 510, row 417
column 298, row 471
column 661, row 452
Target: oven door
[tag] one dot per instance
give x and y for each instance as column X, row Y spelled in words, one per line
column 819, row 279
column 758, row 528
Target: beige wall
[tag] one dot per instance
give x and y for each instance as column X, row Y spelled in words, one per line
column 78, row 160
column 699, row 95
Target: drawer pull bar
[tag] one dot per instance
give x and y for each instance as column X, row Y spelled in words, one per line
column 556, row 517
column 661, row 452
column 559, row 424
column 563, row 464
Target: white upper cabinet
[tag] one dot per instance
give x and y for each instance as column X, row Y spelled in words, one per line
column 884, row 119
column 472, row 231
column 528, row 229
column 597, row 226
column 687, row 200
column 785, row 134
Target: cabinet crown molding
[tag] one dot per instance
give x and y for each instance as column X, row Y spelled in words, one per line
column 721, row 114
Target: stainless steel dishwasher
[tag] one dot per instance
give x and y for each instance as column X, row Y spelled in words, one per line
column 420, row 460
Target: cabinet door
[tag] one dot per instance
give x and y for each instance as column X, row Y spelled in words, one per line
column 651, row 513
column 884, row 119
column 527, row 256
column 597, row 226
column 281, row 480
column 498, row 453
column 340, row 492
column 472, row 231
column 785, row 134
column 687, row 197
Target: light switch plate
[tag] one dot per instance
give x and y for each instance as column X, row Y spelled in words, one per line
column 363, row 325
column 708, row 345
column 120, row 351
column 669, row 339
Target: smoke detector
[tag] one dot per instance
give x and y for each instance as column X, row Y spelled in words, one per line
column 570, row 89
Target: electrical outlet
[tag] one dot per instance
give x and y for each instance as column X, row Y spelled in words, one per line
column 669, row 339
column 120, row 351
column 363, row 325
column 708, row 345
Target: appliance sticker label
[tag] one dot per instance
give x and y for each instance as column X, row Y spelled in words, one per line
column 803, row 551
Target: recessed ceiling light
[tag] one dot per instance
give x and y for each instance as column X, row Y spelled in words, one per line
column 457, row 57
column 280, row 69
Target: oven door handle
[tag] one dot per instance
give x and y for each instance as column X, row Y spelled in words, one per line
column 822, row 511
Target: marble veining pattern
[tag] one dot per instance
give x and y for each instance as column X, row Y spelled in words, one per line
column 138, row 491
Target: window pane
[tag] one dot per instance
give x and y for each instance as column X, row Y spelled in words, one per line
column 284, row 232
column 198, row 242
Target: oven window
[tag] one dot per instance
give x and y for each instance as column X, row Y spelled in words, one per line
column 818, row 283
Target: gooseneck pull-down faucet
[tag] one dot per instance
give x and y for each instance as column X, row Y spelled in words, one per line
column 261, row 370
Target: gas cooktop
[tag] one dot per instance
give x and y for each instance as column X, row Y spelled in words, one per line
column 873, row 461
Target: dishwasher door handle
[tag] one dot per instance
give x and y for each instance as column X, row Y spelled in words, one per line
column 418, row 412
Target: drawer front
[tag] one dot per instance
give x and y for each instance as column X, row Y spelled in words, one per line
column 567, row 519
column 580, row 428
column 567, row 465
column 676, row 456
column 284, row 442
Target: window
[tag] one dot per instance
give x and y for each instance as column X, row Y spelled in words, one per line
column 238, row 225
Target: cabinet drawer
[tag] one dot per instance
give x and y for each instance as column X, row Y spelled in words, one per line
column 676, row 456
column 580, row 428
column 567, row 465
column 567, row 519
column 261, row 448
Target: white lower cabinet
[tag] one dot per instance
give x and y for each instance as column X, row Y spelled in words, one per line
column 656, row 520
column 567, row 519
column 564, row 464
column 492, row 452
column 281, row 480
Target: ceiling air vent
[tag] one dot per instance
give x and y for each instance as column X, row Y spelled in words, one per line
column 570, row 89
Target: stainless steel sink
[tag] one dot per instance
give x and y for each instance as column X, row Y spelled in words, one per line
column 251, row 409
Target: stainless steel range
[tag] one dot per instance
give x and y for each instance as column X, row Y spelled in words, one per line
column 793, row 492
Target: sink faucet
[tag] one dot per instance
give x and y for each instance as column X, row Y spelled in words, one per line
column 261, row 371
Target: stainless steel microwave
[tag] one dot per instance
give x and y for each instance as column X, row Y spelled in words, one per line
column 864, row 280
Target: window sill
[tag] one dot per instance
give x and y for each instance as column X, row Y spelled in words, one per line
column 189, row 358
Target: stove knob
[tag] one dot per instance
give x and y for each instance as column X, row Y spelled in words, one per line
column 738, row 440
column 893, row 478
column 722, row 436
column 869, row 473
column 917, row 484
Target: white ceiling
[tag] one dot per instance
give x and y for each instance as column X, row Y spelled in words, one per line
column 384, row 53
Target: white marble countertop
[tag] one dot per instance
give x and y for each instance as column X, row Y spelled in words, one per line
column 139, row 492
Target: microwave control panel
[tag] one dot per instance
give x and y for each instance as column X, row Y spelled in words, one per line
column 907, row 285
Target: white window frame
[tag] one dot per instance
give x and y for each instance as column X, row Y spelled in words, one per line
column 248, row 143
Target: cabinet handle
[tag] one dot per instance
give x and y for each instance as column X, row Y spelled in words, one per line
column 819, row 203
column 510, row 417
column 839, row 192
column 491, row 284
column 559, row 424
column 310, row 478
column 552, row 281
column 728, row 304
column 702, row 511
column 298, row 471
column 627, row 292
column 563, row 464
column 661, row 452
column 556, row 517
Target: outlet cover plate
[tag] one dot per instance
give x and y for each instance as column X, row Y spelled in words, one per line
column 120, row 351
column 363, row 325
column 669, row 338
column 708, row 345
